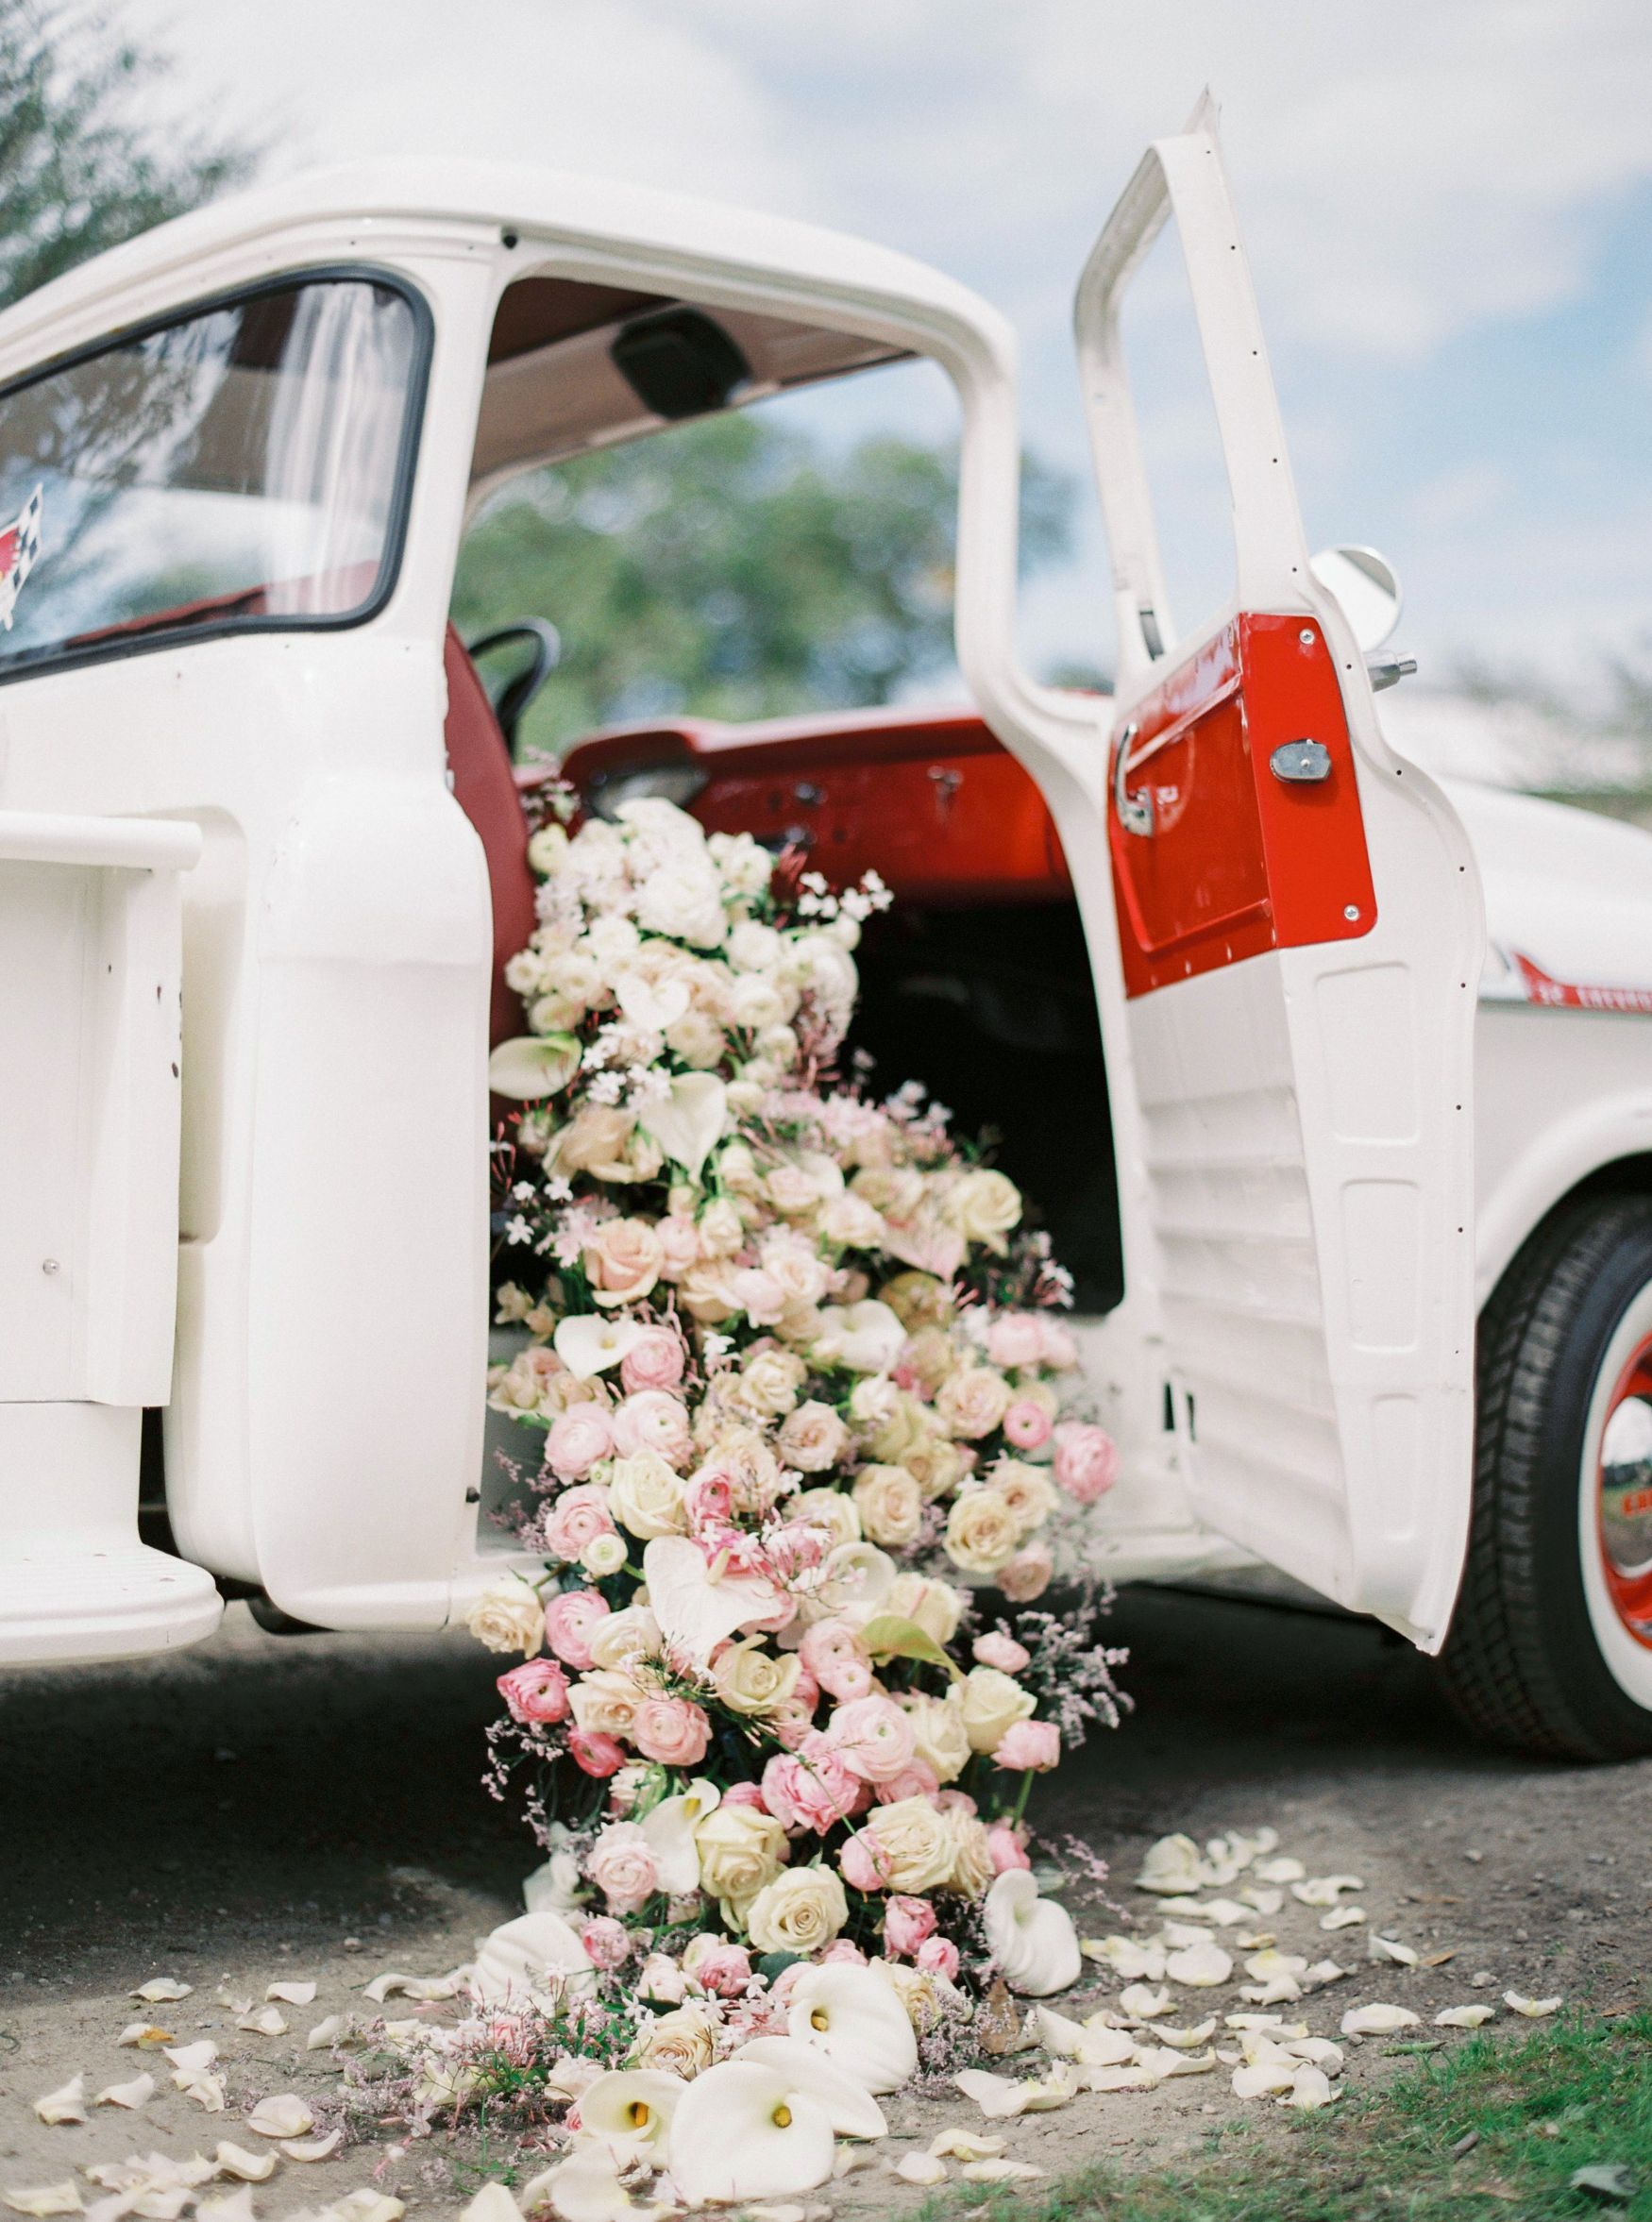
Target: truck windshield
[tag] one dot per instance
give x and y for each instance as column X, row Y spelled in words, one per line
column 242, row 465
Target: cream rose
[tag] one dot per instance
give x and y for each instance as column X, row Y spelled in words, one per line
column 740, row 1849
column 812, row 1437
column 697, row 1039
column 983, row 1206
column 721, row 1229
column 972, row 1868
column 915, row 1844
column 936, row 1606
column 617, row 1639
column 972, row 1402
column 904, row 1425
column 509, row 1616
column 993, row 1701
column 830, row 1509
column 982, row 1531
column 752, row 1680
column 679, row 2043
column 942, row 1740
column 646, row 1496
column 768, row 1385
column 890, row 1504
column 622, row 1261
column 605, row 1702
column 1028, row 1491
column 801, row 1911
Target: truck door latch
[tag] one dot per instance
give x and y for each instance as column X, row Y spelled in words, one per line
column 1301, row 763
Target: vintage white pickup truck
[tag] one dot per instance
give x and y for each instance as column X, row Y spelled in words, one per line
column 262, row 858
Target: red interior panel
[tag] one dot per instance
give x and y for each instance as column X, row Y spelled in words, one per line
column 484, row 786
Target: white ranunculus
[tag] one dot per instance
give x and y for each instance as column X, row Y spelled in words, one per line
column 1032, row 1938
column 742, row 2132
column 856, row 2018
column 663, row 827
column 754, row 946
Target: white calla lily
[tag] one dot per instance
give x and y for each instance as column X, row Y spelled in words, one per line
column 853, row 2110
column 698, row 1605
column 588, row 1344
column 856, row 2019
column 518, row 1958
column 532, row 1066
column 740, row 2132
column 687, row 1123
column 669, row 1831
column 630, row 2109
column 1032, row 1939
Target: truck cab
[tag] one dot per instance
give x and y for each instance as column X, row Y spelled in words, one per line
column 262, row 859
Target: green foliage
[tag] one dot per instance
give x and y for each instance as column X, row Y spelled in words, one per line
column 1495, row 2127
column 78, row 173
column 731, row 568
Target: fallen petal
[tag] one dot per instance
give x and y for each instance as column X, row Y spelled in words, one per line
column 161, row 1990
column 368, row 2206
column 918, row 2167
column 206, row 2089
column 1311, row 2088
column 312, row 2148
column 1144, row 2004
column 1202, row 1965
column 998, row 2171
column 1187, row 2040
column 965, row 2145
column 1377, row 2021
column 285, row 2116
column 998, row 2096
column 1324, row 1889
column 1280, row 1871
column 1385, row 1948
column 1322, row 1973
column 139, row 2091
column 1162, row 2062
column 230, row 2206
column 1344, row 1917
column 144, row 2035
column 293, row 1993
column 1533, row 2009
column 1172, row 1867
column 492, row 2203
column 1264, row 1900
column 1130, row 2078
column 266, row 2022
column 331, row 2031
column 251, row 2167
column 190, row 2060
column 1464, row 2017
column 1261, row 2078
column 45, row 2199
column 68, row 2104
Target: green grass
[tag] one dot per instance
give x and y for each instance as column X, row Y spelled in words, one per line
column 1575, row 2095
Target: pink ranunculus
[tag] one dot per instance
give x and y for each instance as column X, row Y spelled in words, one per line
column 791, row 1722
column 834, row 1655
column 810, row 1788
column 725, row 1970
column 805, row 1690
column 843, row 1952
column 598, row 1754
column 1016, row 1339
column 621, row 1865
column 919, row 1779
column 574, row 1519
column 1029, row 1748
column 708, row 1502
column 874, row 1739
column 997, row 1649
column 1060, row 1347
column 1027, row 1575
column 672, row 1730
column 906, row 1923
column 1005, row 1848
column 536, row 1690
column 863, row 1863
column 1027, row 1424
column 1087, row 1460
column 570, row 1618
column 745, row 1793
column 655, row 1360
column 956, row 1801
column 759, row 1296
column 654, row 1420
column 679, row 1246
column 607, row 1941
column 577, row 1438
column 939, row 1955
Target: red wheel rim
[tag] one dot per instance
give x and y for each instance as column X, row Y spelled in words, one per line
column 1622, row 1496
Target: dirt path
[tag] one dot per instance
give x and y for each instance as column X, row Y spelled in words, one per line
column 264, row 1808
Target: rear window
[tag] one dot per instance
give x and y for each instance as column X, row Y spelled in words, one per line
column 243, row 466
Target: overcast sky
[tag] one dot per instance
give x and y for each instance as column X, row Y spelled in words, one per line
column 1448, row 206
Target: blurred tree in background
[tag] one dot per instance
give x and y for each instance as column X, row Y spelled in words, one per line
column 733, row 568
column 79, row 171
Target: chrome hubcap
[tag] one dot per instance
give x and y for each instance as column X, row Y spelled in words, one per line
column 1625, row 1496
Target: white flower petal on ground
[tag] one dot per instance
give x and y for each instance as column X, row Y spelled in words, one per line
column 1202, row 1965
column 1161, row 2063
column 585, row 2187
column 1131, row 2075
column 998, row 2096
column 856, row 2018
column 367, row 2206
column 1280, row 1871
column 1310, row 2088
column 1032, row 1939
column 1041, row 2094
column 144, row 2035
column 293, row 1993
column 521, row 1956
column 335, row 2030
column 1177, row 1935
column 1187, row 2040
column 206, row 2090
column 634, row 2104
column 1318, row 2052
column 139, row 2091
column 250, row 2168
column 1143, row 2004
column 1103, row 2046
column 1464, row 2017
column 1378, row 2020
column 193, row 2060
column 1060, row 2037
column 426, row 1988
column 1344, row 1917
column 1324, row 1889
column 965, row 2145
column 236, row 2206
column 1322, row 1973
column 1279, row 1990
column 66, row 2104
column 532, row 1066
column 492, row 2203
column 1386, row 1949
column 160, row 1990
column 312, row 2148
column 55, row 2198
column 285, row 2116
column 1265, row 1898
column 739, row 2133
column 232, row 1999
column 1533, row 2009
column 698, row 1606
column 850, row 2105
column 1272, row 2022
column 687, row 1123
column 264, row 2021
column 589, row 1344
column 1270, row 1963
column 1266, row 2077
column 998, row 2171
column 1172, row 1867
column 918, row 2167
column 1131, row 1961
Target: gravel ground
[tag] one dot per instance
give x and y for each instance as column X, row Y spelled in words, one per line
column 265, row 1809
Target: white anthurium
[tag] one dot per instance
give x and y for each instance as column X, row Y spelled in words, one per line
column 628, row 2111
column 55, row 2198
column 699, row 1604
column 649, row 1008
column 283, row 2117
column 688, row 1122
column 1533, row 2009
column 1202, row 1965
column 857, row 2020
column 668, row 1830
column 856, row 1578
column 1464, row 2017
column 1144, row 2004
column 1378, row 2020
column 866, row 1337
column 526, row 1956
column 534, row 1066
column 851, row 2107
column 741, row 2132
column 66, row 2104
column 588, row 1344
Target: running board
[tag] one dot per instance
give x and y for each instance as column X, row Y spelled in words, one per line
column 77, row 1604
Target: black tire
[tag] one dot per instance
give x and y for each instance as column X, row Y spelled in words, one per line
column 1522, row 1665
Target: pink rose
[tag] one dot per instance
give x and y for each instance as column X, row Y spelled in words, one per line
column 655, row 1360
column 1004, row 1848
column 574, row 1519
column 1016, row 1339
column 606, row 1941
column 841, row 1952
column 874, row 1739
column 1029, row 1748
column 1027, row 1575
column 709, row 1501
column 919, row 1779
column 939, row 1955
column 1026, row 1424
column 672, row 1730
column 577, row 1438
column 679, row 1247
column 906, row 1923
column 570, row 1620
column 598, row 1754
column 622, row 1261
column 537, row 1691
column 863, row 1863
column 810, row 1789
column 654, row 1420
column 724, row 1969
column 621, row 1865
column 996, row 1649
column 1087, row 1460
column 836, row 1657
column 745, row 1793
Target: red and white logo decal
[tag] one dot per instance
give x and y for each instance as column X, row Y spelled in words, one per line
column 1565, row 993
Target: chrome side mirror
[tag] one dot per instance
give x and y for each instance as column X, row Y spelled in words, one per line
column 1367, row 587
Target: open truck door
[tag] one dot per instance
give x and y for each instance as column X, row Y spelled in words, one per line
column 1300, row 925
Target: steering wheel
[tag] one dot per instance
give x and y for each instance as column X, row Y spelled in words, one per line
column 510, row 702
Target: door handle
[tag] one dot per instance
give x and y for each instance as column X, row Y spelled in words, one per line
column 1135, row 811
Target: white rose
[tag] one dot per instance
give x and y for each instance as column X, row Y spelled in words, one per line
column 745, row 864
column 938, row 1725
column 982, row 1534
column 825, row 968
column 740, row 1849
column 890, row 1504
column 508, row 1616
column 618, row 1638
column 755, row 1003
column 1028, row 1491
column 604, row 1702
column 646, row 1496
column 610, row 942
column 983, row 1206
column 993, row 1701
column 682, row 898
column 697, row 1039
column 680, row 2043
column 936, row 1607
column 801, row 1911
column 754, row 947
column 769, row 1384
column 830, row 1509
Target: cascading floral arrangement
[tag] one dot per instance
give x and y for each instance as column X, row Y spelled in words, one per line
column 798, row 1371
